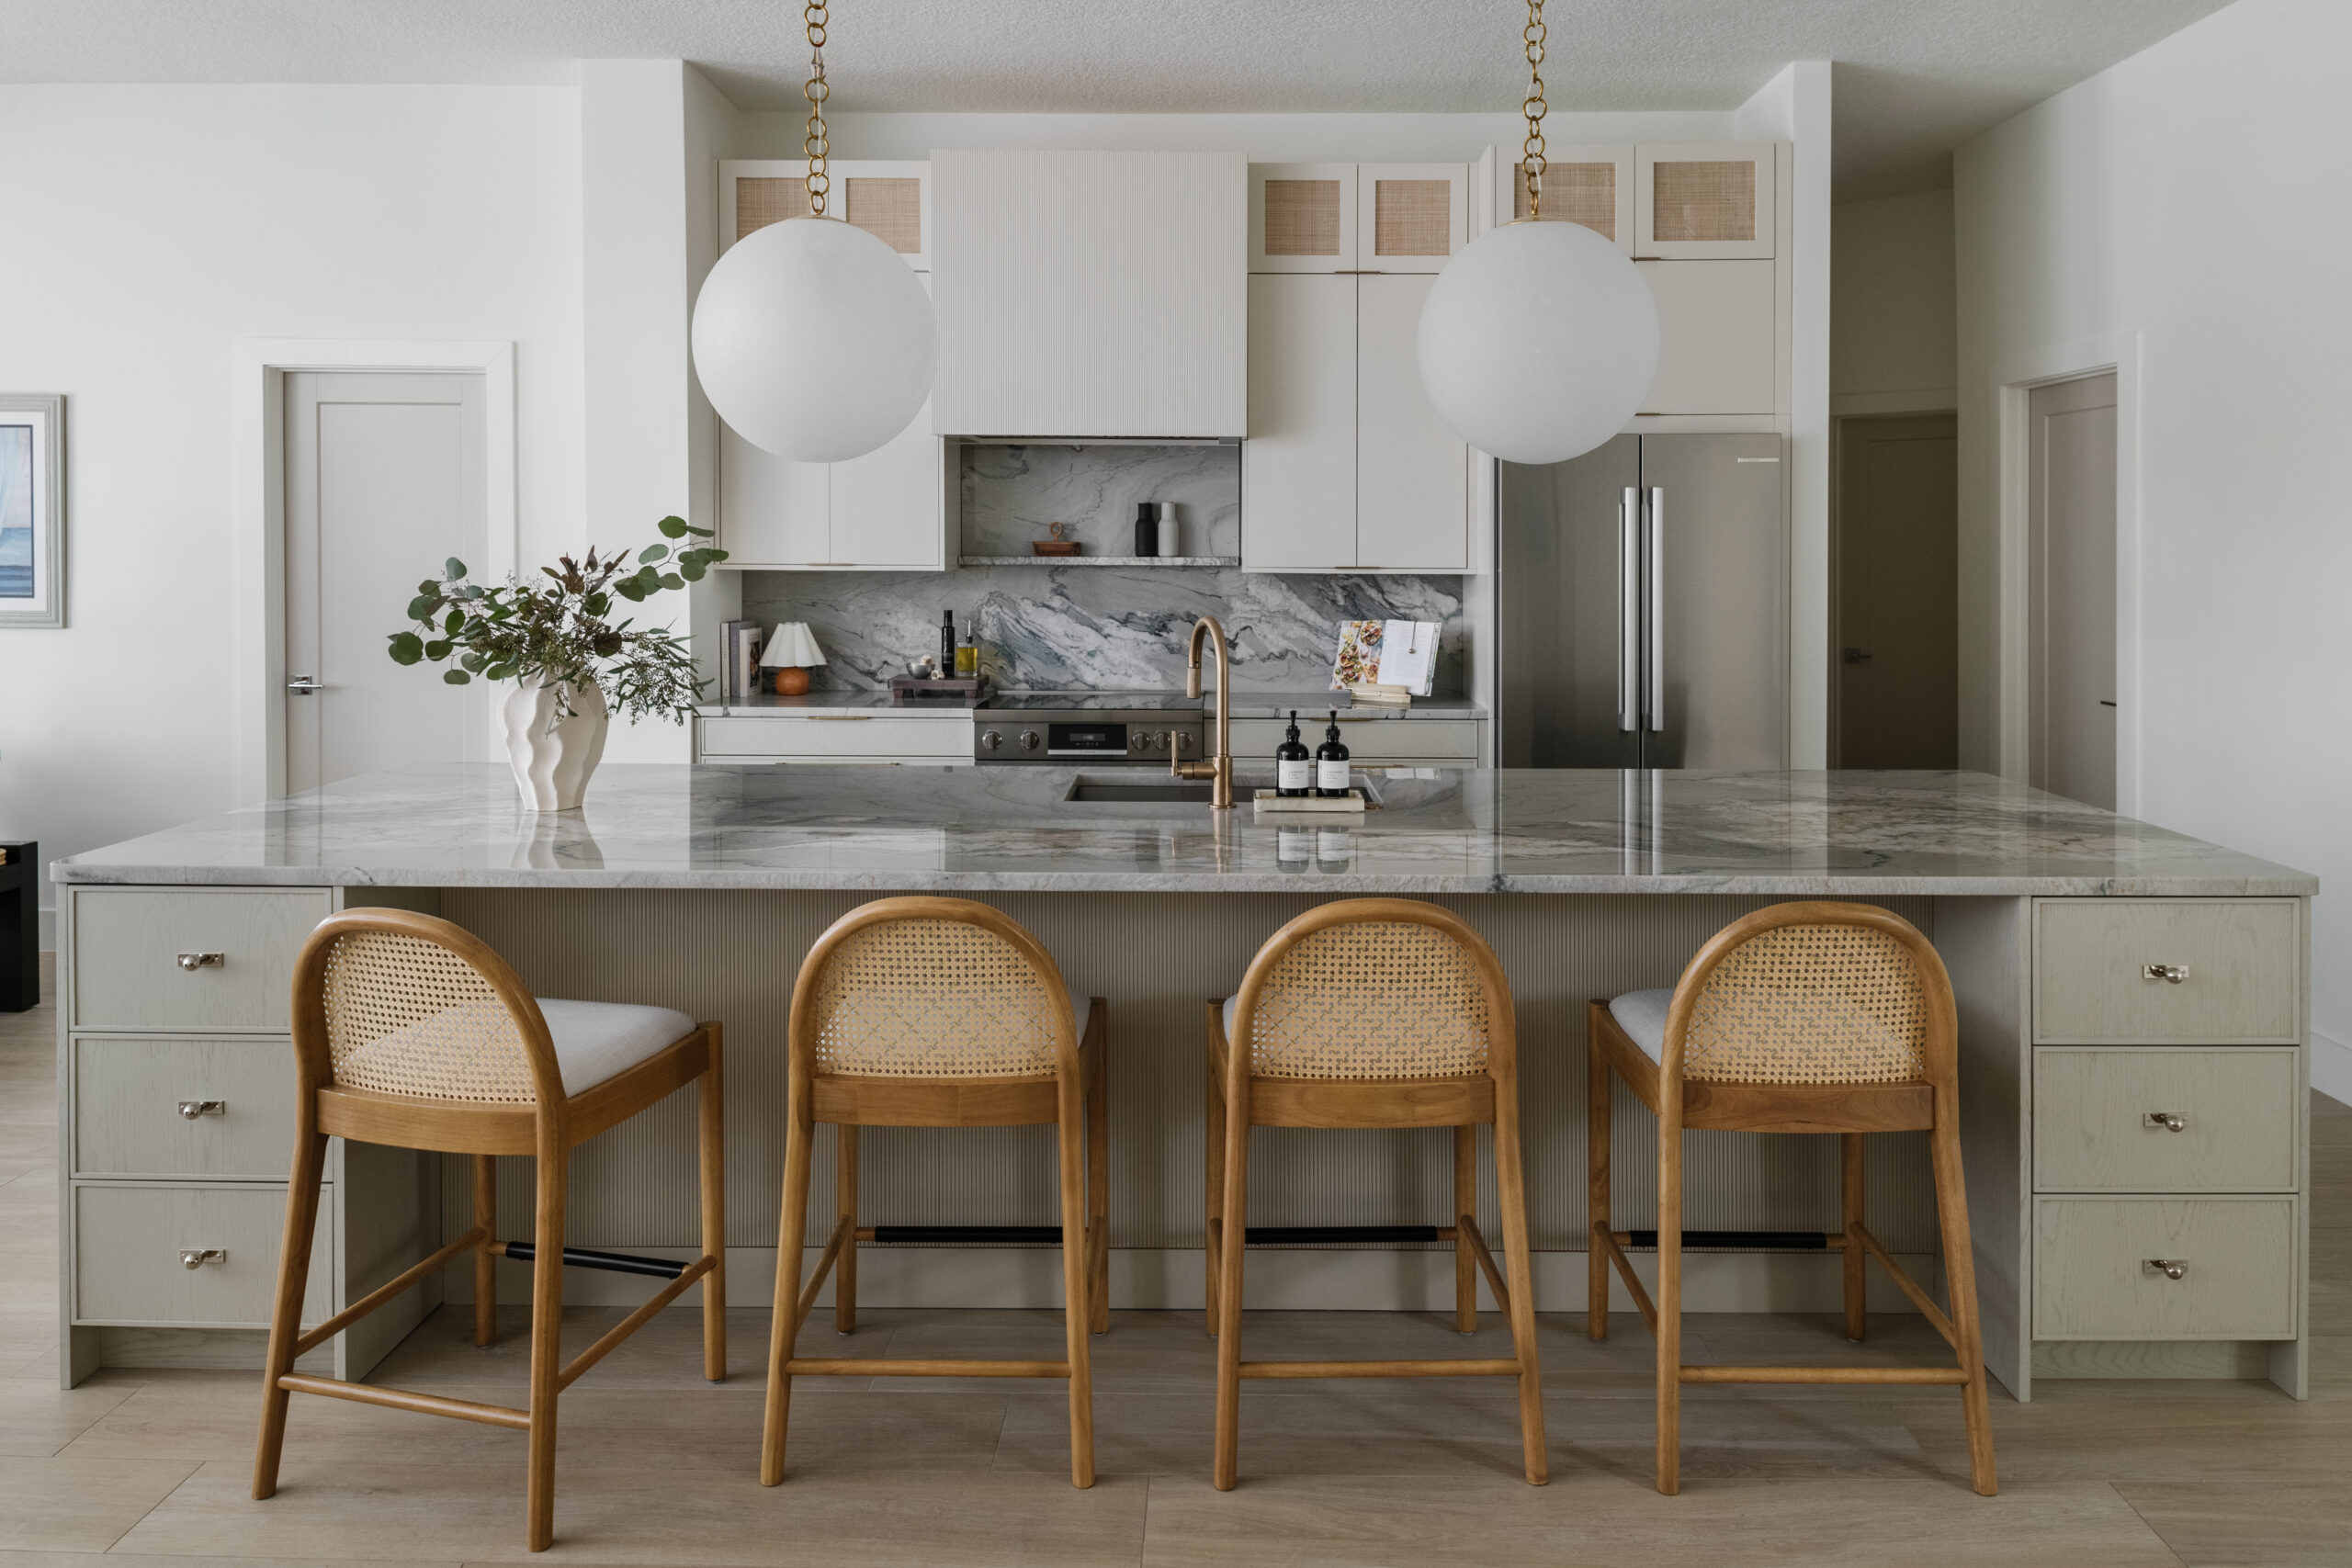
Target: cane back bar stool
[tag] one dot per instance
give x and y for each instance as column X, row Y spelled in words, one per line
column 1371, row 1012
column 940, row 1012
column 411, row 1031
column 1800, row 1018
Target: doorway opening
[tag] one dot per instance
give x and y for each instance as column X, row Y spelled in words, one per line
column 1895, row 685
column 2071, row 695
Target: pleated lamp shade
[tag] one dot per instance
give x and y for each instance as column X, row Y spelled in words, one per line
column 790, row 651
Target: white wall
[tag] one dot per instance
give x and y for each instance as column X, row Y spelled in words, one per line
column 2188, row 208
column 147, row 228
column 1893, row 346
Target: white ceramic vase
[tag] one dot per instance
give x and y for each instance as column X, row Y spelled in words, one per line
column 552, row 757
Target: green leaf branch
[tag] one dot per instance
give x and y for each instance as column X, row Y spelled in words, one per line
column 560, row 632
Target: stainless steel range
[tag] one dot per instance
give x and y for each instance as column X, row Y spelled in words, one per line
column 1102, row 729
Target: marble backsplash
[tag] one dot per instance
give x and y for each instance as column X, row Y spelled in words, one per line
column 1010, row 495
column 1105, row 628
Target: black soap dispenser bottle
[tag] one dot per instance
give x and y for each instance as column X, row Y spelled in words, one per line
column 1294, row 768
column 1331, row 762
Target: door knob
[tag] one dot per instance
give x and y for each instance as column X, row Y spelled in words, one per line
column 305, row 686
column 1855, row 656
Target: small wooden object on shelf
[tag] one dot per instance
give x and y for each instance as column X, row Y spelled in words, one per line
column 961, row 690
column 1272, row 804
column 1057, row 546
column 1368, row 694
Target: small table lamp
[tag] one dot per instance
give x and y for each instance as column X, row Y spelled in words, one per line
column 790, row 651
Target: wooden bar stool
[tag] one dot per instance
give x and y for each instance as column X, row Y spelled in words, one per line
column 1800, row 1018
column 940, row 1012
column 411, row 1031
column 1371, row 1012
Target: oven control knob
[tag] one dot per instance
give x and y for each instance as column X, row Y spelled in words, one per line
column 1138, row 741
column 1160, row 741
column 993, row 739
column 1183, row 741
column 1030, row 740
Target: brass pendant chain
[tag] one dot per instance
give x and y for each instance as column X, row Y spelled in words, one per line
column 813, row 141
column 1533, row 108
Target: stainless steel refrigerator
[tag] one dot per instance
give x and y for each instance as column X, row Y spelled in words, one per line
column 1641, row 607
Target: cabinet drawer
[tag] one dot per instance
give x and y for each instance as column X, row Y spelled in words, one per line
column 840, row 735
column 128, row 1094
column 2092, row 958
column 127, row 1245
column 1371, row 741
column 2236, row 1107
column 2091, row 1279
column 128, row 943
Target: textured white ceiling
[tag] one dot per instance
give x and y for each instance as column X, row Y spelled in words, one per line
column 1914, row 78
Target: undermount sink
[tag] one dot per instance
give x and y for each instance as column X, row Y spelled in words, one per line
column 1122, row 791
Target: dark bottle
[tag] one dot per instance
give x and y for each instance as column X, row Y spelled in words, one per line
column 947, row 642
column 1331, row 762
column 1147, row 527
column 1294, row 768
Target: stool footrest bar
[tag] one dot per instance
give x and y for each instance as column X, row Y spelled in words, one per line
column 582, row 1257
column 402, row 1399
column 873, row 1366
column 1486, row 1368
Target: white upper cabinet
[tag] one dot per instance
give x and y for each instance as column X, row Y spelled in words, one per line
column 1703, row 203
column 1301, row 218
column 1590, row 185
column 1717, row 337
column 885, row 509
column 1347, row 468
column 1091, row 294
column 1298, row 468
column 1411, row 217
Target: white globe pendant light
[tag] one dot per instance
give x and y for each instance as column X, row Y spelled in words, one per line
column 814, row 340
column 1539, row 342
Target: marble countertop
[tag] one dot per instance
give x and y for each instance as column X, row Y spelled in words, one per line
column 968, row 828
column 1246, row 704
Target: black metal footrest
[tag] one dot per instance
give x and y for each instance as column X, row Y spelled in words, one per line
column 612, row 1262
column 1051, row 1235
column 1744, row 1241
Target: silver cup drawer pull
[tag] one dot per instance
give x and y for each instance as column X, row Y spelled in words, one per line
column 2170, row 1267
column 198, row 1256
column 2170, row 1120
column 2176, row 973
column 192, row 961
column 192, row 1109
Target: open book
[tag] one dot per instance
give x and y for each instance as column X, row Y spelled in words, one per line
column 1386, row 653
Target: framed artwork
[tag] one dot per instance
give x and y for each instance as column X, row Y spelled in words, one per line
column 32, row 509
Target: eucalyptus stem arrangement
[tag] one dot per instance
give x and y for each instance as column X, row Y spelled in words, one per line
column 556, row 634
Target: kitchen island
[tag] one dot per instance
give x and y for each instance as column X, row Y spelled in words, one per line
column 2114, row 980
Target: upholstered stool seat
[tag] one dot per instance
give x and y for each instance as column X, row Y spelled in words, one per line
column 1642, row 1015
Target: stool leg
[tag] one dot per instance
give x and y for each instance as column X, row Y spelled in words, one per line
column 1596, row 1142
column 1959, row 1270
column 845, row 1266
column 286, row 1317
column 1077, row 1314
column 1510, row 1190
column 1234, row 1213
column 1466, row 1201
column 1098, row 1170
column 1212, row 1254
column 1849, row 1154
column 783, row 1326
column 1669, row 1293
column 485, row 1261
column 710, row 1118
column 547, row 1341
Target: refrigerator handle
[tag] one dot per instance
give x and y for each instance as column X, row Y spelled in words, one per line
column 1655, row 706
column 1629, row 610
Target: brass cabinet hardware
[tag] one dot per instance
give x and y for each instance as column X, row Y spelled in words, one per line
column 2171, row 1121
column 192, row 961
column 198, row 1256
column 2176, row 973
column 192, row 1109
column 2170, row 1267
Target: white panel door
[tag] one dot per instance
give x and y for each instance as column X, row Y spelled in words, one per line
column 1411, row 217
column 384, row 483
column 2071, row 560
column 1302, row 217
column 772, row 511
column 1412, row 473
column 1716, row 345
column 1298, row 465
